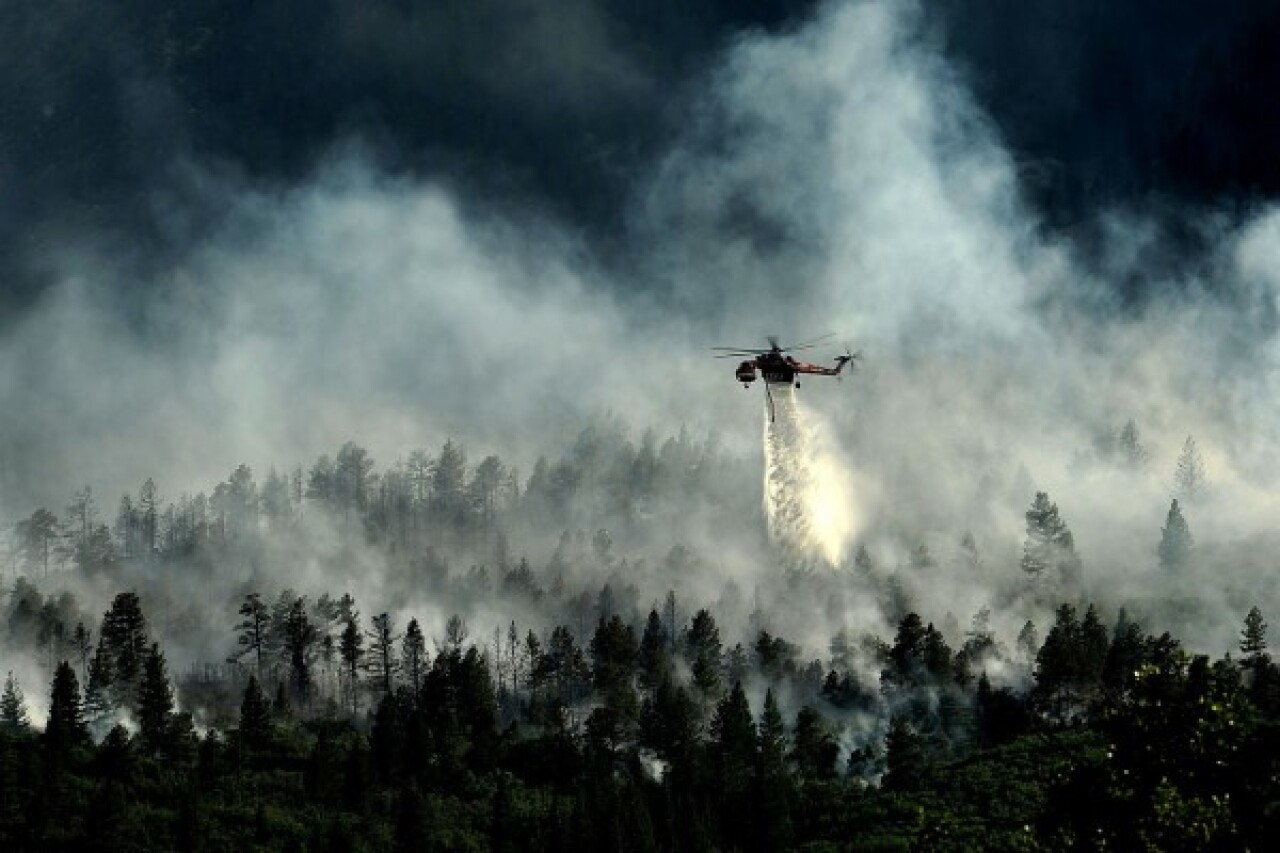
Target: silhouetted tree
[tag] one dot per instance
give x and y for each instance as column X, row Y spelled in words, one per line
column 735, row 749
column 383, row 664
column 413, row 654
column 65, row 727
column 654, row 655
column 155, row 703
column 613, row 653
column 669, row 721
column 906, row 656
column 255, row 717
column 1125, row 656
column 563, row 666
column 351, row 649
column 253, row 630
column 775, row 656
column 300, row 638
column 1070, row 664
column 123, row 642
column 813, row 748
column 13, row 709
column 773, row 790
column 702, row 642
column 1253, row 637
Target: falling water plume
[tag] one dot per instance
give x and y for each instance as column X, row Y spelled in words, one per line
column 809, row 505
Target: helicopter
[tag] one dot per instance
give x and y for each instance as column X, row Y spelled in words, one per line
column 778, row 367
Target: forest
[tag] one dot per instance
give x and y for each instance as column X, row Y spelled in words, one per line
column 341, row 658
column 966, row 603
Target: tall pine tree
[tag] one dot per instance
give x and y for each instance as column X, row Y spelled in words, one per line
column 155, row 703
column 13, row 709
column 66, row 727
column 1175, row 545
column 1049, row 552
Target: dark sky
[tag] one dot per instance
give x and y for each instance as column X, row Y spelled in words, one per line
column 1163, row 106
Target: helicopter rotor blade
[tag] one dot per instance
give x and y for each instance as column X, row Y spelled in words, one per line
column 810, row 343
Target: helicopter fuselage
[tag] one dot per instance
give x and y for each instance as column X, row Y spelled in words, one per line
column 780, row 369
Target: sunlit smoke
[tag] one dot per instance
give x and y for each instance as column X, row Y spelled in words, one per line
column 809, row 502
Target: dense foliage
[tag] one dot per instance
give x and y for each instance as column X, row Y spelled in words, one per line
column 588, row 720
column 1124, row 741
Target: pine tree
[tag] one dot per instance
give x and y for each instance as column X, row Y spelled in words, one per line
column 1094, row 645
column 448, row 482
column 382, row 653
column 980, row 641
column 99, row 703
column 1176, row 543
column 36, row 537
column 814, row 750
column 733, row 734
column 65, row 727
column 300, row 638
column 155, row 703
column 1253, row 639
column 126, row 527
column 253, row 630
column 937, row 656
column 1028, row 641
column 13, row 709
column 906, row 656
column 255, row 718
column 563, row 666
column 1049, row 554
column 351, row 649
column 669, row 722
column 82, row 642
column 1124, row 657
column 702, row 640
column 1129, row 446
column 413, row 654
column 1189, row 481
column 123, row 641
column 613, row 654
column 773, row 785
column 148, row 520
column 773, row 735
column 654, row 655
column 735, row 746
column 1070, row 664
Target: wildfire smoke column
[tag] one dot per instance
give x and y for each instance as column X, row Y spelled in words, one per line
column 808, row 499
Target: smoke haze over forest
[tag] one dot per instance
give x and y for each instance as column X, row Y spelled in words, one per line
column 405, row 224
